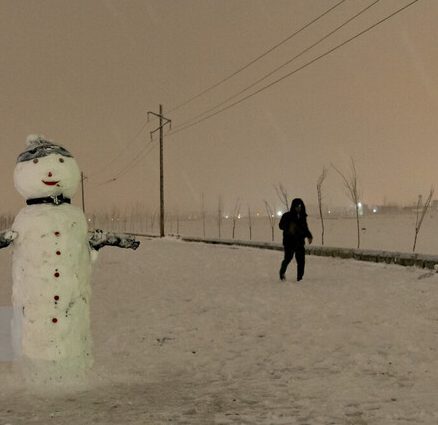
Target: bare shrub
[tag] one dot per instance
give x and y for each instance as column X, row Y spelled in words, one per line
column 421, row 212
column 319, row 184
column 271, row 217
column 352, row 191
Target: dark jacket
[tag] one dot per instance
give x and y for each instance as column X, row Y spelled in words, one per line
column 294, row 225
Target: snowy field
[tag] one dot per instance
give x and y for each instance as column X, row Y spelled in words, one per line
column 389, row 232
column 189, row 333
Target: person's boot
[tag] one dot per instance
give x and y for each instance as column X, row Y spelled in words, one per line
column 282, row 275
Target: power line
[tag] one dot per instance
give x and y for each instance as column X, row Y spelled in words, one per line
column 295, row 70
column 137, row 159
column 146, row 152
column 142, row 154
column 121, row 151
column 255, row 59
column 279, row 67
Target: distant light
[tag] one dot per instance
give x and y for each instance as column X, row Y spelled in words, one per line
column 238, row 216
column 329, row 212
column 226, row 217
column 279, row 213
column 359, row 204
column 374, row 210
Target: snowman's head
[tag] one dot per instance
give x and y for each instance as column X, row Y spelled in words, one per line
column 45, row 169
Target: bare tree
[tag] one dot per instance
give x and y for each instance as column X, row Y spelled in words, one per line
column 319, row 183
column 352, row 190
column 282, row 196
column 236, row 216
column 220, row 209
column 167, row 220
column 203, row 213
column 421, row 212
column 152, row 220
column 271, row 216
column 250, row 222
column 177, row 222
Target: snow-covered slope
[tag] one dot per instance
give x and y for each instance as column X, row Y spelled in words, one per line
column 197, row 334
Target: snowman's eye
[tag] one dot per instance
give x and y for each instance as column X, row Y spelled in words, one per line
column 61, row 159
column 35, row 161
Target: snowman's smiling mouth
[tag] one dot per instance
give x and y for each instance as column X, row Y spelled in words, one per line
column 50, row 183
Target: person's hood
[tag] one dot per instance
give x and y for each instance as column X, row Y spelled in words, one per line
column 295, row 203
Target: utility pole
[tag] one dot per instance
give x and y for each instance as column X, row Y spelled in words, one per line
column 163, row 121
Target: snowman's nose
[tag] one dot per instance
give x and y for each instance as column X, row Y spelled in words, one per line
column 50, row 174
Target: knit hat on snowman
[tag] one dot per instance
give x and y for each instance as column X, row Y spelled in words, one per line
column 39, row 146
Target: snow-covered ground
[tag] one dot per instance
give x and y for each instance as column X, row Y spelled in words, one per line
column 190, row 333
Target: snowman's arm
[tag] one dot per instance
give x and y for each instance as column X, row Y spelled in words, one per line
column 98, row 239
column 6, row 238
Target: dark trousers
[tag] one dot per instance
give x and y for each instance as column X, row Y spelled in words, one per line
column 289, row 251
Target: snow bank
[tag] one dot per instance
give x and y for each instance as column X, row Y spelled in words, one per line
column 375, row 256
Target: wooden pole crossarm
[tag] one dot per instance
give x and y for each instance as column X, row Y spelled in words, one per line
column 167, row 121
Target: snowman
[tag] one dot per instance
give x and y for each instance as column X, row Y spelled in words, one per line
column 51, row 266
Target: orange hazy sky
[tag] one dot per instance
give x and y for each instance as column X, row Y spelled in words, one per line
column 85, row 72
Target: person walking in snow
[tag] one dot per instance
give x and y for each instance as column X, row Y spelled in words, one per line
column 295, row 231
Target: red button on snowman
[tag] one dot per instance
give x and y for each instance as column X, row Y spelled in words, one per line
column 52, row 256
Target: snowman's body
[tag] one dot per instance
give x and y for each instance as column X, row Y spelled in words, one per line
column 51, row 286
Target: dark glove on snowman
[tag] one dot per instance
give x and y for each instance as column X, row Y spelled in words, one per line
column 98, row 239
